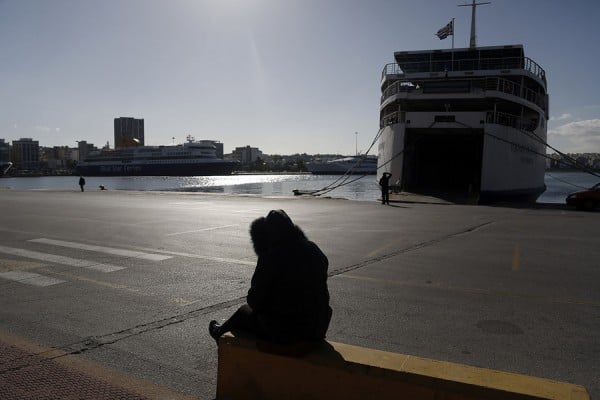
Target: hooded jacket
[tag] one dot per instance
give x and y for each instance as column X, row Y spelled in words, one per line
column 288, row 292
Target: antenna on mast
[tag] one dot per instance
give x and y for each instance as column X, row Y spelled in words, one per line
column 473, row 41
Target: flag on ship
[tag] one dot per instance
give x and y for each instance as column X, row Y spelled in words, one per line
column 446, row 31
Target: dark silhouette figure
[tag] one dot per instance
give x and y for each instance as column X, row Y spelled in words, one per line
column 384, row 182
column 288, row 300
column 81, row 182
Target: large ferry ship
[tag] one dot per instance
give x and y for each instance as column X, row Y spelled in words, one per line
column 466, row 121
column 190, row 159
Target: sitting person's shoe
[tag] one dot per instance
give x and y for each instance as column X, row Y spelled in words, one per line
column 214, row 329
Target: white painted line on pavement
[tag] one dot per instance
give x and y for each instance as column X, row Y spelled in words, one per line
column 30, row 278
column 201, row 257
column 102, row 249
column 51, row 258
column 201, row 230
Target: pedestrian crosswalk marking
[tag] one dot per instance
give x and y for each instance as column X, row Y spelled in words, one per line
column 51, row 258
column 201, row 230
column 103, row 249
column 209, row 258
column 30, row 278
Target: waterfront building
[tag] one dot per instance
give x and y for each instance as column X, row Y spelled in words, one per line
column 129, row 132
column 58, row 157
column 4, row 151
column 26, row 154
column 219, row 148
column 84, row 148
column 247, row 154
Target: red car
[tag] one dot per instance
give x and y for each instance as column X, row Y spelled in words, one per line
column 586, row 199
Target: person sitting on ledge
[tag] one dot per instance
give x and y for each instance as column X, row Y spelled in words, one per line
column 288, row 299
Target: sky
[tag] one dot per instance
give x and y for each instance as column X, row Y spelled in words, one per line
column 284, row 76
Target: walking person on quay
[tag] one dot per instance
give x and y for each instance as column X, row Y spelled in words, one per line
column 384, row 182
column 288, row 300
column 81, row 182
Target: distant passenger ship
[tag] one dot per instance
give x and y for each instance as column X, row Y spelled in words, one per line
column 190, row 159
column 465, row 121
column 356, row 165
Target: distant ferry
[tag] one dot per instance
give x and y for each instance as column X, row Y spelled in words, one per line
column 193, row 158
column 355, row 165
column 4, row 167
column 465, row 121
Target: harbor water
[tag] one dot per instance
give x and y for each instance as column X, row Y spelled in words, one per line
column 558, row 184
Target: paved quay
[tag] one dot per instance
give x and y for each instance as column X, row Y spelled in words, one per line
column 30, row 371
column 111, row 291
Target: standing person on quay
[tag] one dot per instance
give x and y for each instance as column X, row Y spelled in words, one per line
column 384, row 182
column 81, row 182
column 288, row 300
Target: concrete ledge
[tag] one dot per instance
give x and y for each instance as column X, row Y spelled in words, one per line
column 341, row 371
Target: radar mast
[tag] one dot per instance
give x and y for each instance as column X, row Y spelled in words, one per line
column 473, row 41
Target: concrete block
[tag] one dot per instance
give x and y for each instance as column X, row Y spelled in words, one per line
column 341, row 371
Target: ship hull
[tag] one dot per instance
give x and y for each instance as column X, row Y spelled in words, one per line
column 205, row 169
column 332, row 171
column 341, row 173
column 489, row 162
column 346, row 166
column 513, row 166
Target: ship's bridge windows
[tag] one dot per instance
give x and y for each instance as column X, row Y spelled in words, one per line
column 505, row 57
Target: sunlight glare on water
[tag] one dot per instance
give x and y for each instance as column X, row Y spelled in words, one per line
column 559, row 184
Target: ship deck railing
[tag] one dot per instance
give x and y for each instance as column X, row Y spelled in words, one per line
column 475, row 64
column 486, row 84
column 514, row 121
column 491, row 117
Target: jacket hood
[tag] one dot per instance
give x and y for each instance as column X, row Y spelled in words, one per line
column 279, row 224
column 274, row 230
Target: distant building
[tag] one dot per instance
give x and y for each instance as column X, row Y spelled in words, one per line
column 219, row 147
column 582, row 161
column 4, row 151
column 26, row 154
column 58, row 157
column 246, row 155
column 84, row 148
column 129, row 132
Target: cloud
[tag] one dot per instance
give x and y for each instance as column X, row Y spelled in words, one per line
column 591, row 106
column 41, row 128
column 577, row 137
column 561, row 117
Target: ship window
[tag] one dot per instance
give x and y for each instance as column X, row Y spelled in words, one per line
column 444, row 118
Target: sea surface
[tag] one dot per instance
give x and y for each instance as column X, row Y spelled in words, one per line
column 558, row 184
